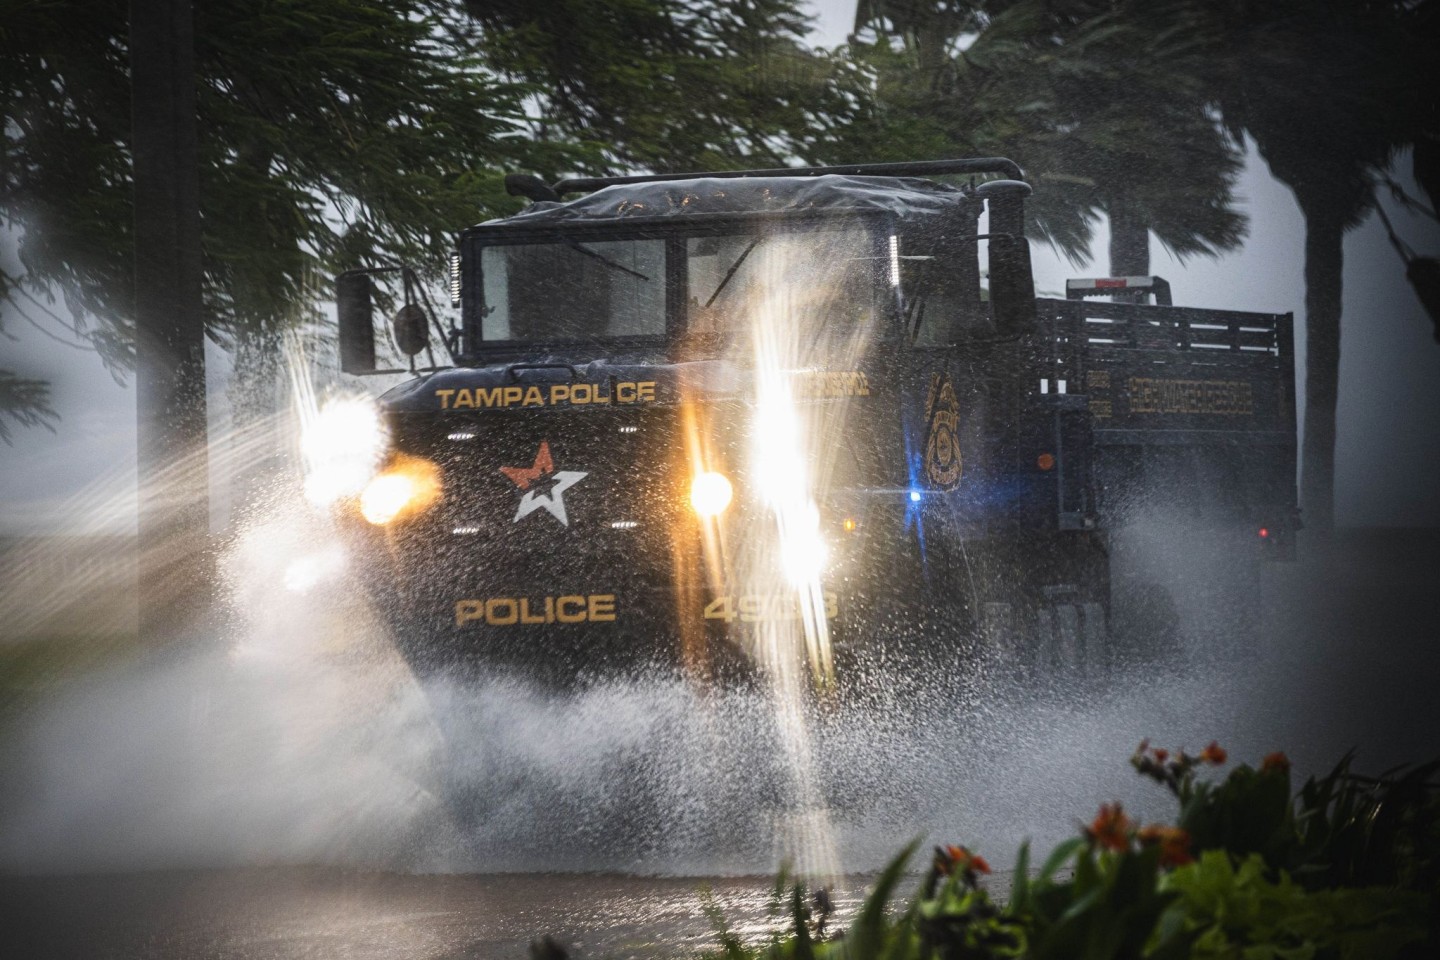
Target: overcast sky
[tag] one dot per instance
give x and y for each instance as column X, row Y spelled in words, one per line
column 1388, row 459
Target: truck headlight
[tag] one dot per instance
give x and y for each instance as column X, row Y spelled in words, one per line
column 406, row 487
column 802, row 550
column 710, row 493
column 342, row 444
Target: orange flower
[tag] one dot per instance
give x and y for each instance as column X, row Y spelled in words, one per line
column 953, row 858
column 1174, row 844
column 1275, row 761
column 1213, row 754
column 1161, row 754
column 1111, row 828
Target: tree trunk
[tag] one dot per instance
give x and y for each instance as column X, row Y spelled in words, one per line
column 1324, row 264
column 173, row 479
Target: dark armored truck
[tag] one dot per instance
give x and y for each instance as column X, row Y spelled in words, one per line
column 682, row 415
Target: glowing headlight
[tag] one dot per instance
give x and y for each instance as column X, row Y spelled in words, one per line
column 802, row 550
column 710, row 493
column 408, row 487
column 342, row 444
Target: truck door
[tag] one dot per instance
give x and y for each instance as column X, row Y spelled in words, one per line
column 955, row 383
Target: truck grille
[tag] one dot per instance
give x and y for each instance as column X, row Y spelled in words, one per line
column 550, row 487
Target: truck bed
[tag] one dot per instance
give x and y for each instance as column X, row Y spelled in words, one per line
column 1190, row 409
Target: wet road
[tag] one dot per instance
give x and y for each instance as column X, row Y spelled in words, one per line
column 1353, row 661
column 288, row 914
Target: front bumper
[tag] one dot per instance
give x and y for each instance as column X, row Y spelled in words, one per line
column 471, row 605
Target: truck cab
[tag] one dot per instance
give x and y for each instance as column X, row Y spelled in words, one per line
column 686, row 415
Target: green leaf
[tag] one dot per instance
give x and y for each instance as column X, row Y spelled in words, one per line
column 1020, row 881
column 730, row 945
column 1058, row 857
column 803, row 947
column 866, row 936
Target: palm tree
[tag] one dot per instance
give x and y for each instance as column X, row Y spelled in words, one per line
column 1107, row 114
column 1330, row 93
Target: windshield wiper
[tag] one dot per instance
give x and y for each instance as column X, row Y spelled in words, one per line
column 733, row 268
column 578, row 248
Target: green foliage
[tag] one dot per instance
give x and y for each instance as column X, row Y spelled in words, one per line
column 1342, row 829
column 731, row 947
column 1107, row 113
column 669, row 85
column 328, row 129
column 1107, row 906
column 338, row 132
column 1328, row 91
column 871, row 929
column 1247, row 812
column 26, row 402
column 1346, row 869
column 1231, row 907
column 1356, row 831
column 960, row 922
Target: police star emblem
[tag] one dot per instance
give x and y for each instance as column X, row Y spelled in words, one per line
column 541, row 471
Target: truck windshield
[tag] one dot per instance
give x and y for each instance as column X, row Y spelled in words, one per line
column 821, row 281
column 572, row 290
column 819, row 286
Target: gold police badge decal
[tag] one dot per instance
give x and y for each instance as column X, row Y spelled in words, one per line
column 942, row 440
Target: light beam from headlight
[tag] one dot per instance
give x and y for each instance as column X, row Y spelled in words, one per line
column 304, row 573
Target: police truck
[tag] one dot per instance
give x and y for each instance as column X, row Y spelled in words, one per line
column 674, row 417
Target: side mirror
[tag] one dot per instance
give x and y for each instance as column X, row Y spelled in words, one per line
column 354, row 294
column 412, row 330
column 1012, row 284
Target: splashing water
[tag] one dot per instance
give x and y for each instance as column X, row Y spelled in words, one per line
column 294, row 732
column 302, row 738
column 795, row 295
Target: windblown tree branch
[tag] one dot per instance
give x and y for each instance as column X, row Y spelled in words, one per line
column 1106, row 111
column 26, row 403
column 329, row 129
column 672, row 86
column 336, row 131
column 1330, row 93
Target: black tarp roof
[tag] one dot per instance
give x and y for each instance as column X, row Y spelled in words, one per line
column 904, row 196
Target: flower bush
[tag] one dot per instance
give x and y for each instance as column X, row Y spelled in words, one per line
column 1347, row 868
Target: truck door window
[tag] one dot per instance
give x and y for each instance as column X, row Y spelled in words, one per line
column 821, row 285
column 572, row 290
column 940, row 279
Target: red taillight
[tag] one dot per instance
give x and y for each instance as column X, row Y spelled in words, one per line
column 1264, row 532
